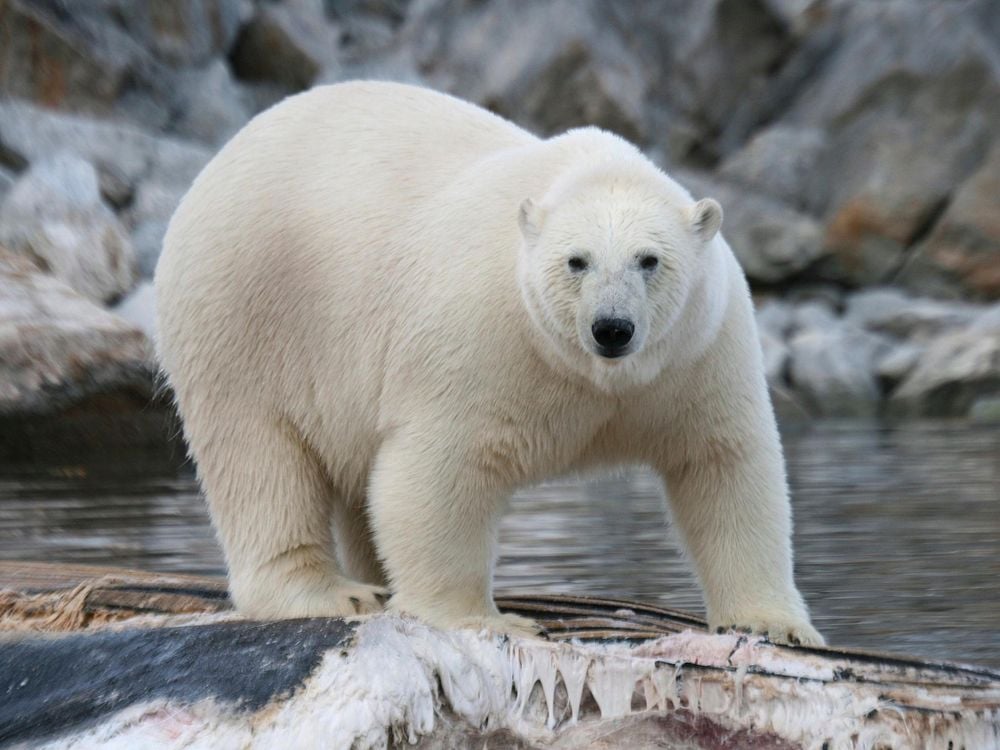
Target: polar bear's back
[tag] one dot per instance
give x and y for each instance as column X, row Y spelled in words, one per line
column 290, row 262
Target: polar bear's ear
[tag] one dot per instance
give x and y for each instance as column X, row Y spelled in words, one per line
column 530, row 219
column 706, row 218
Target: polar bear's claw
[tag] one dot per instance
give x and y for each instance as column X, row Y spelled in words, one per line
column 794, row 633
column 505, row 624
column 339, row 597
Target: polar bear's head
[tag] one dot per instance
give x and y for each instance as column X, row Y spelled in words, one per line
column 608, row 262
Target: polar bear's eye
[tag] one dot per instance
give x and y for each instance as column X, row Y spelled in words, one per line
column 648, row 262
column 576, row 263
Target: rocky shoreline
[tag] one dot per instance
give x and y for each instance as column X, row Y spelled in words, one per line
column 855, row 148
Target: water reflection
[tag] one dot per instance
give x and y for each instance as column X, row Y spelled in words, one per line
column 897, row 532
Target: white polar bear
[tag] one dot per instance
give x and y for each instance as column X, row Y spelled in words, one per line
column 383, row 309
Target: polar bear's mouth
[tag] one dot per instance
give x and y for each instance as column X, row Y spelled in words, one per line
column 618, row 353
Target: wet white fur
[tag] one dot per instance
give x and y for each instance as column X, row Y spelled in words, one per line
column 367, row 317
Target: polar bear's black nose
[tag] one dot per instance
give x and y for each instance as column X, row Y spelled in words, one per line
column 612, row 335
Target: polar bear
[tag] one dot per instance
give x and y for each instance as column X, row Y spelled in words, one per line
column 383, row 309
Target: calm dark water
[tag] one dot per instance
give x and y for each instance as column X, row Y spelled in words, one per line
column 897, row 532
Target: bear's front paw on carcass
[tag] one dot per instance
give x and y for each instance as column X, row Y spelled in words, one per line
column 789, row 631
column 331, row 596
column 490, row 621
column 505, row 624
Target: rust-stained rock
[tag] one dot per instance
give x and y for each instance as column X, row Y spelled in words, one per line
column 961, row 256
column 48, row 58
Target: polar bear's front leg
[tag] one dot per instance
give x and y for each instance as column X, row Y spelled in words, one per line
column 435, row 520
column 732, row 511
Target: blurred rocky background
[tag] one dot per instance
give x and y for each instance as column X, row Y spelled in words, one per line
column 855, row 148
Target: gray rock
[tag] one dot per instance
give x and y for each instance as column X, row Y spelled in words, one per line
column 139, row 309
column 54, row 216
column 550, row 66
column 956, row 371
column 812, row 315
column 156, row 201
column 368, row 28
column 392, row 11
column 398, row 66
column 6, row 182
column 828, row 295
column 985, row 410
column 898, row 362
column 833, row 369
column 181, row 32
column 988, row 319
column 212, row 105
column 780, row 161
column 775, row 317
column 149, row 214
column 700, row 100
column 772, row 241
column 961, row 256
column 123, row 154
column 775, row 357
column 57, row 348
column 910, row 99
column 286, row 44
column 891, row 311
column 366, row 36
column 147, row 238
column 69, row 60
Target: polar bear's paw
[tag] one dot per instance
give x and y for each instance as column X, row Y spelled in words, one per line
column 335, row 597
column 505, row 624
column 353, row 598
column 788, row 632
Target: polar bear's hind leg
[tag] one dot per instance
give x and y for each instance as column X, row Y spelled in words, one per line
column 271, row 505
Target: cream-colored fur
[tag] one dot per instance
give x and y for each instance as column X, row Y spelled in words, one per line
column 366, row 313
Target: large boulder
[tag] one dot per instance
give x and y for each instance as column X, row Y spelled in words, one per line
column 288, row 45
column 211, row 106
column 550, row 66
column 961, row 255
column 833, row 368
column 709, row 68
column 774, row 316
column 910, row 100
column 891, row 311
column 6, row 182
column 672, row 75
column 779, row 161
column 55, row 217
column 57, row 348
column 61, row 58
column 110, row 57
column 123, row 154
column 898, row 362
column 180, row 33
column 956, row 372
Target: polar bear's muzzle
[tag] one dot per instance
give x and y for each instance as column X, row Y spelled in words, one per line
column 613, row 336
